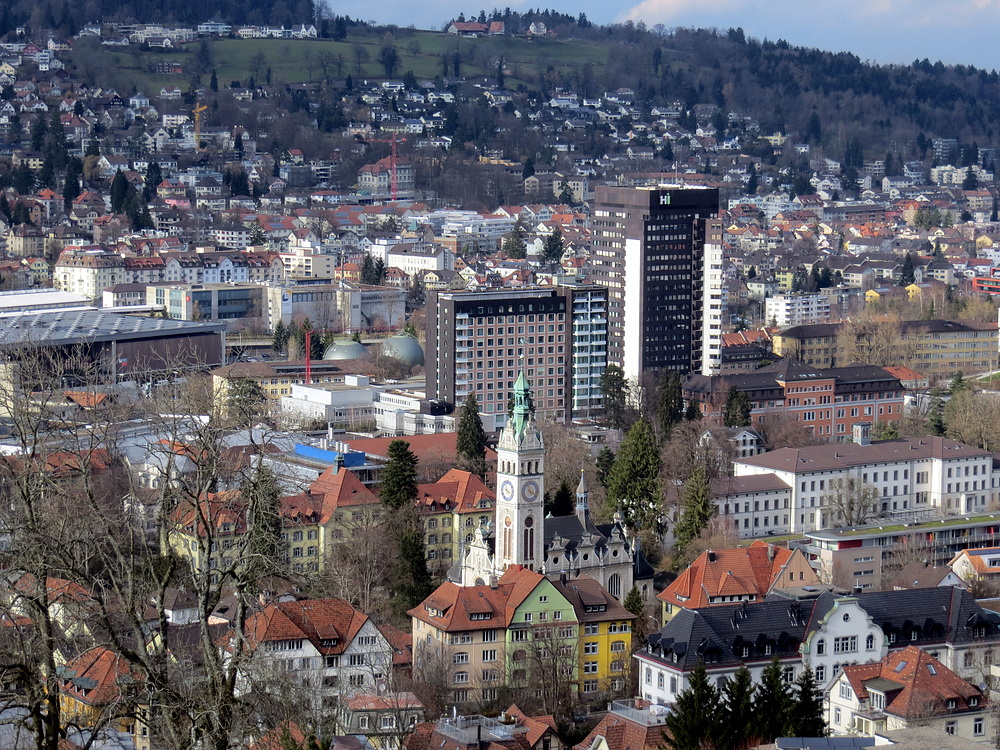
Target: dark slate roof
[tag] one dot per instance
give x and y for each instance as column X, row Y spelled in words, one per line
column 941, row 614
column 718, row 633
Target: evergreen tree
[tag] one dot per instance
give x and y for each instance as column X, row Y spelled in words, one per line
column 470, row 443
column 697, row 508
column 368, row 273
column 739, row 710
column 693, row 412
column 957, row 384
column 411, row 581
column 562, row 502
column 23, row 179
column 553, row 246
column 515, row 244
column 399, row 476
column 605, row 460
column 634, row 604
column 806, row 714
column 935, row 417
column 257, row 234
column 119, row 193
column 246, row 401
column 71, row 189
column 736, row 412
column 280, row 338
column 772, row 703
column 670, row 402
column 265, row 549
column 906, row 275
column 634, row 482
column 694, row 723
column 614, row 392
column 153, row 177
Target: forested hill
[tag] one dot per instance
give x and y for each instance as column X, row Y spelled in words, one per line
column 825, row 98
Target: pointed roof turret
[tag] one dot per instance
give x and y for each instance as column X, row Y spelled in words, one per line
column 582, row 504
column 524, row 407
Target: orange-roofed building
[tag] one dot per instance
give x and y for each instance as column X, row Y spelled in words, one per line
column 496, row 634
column 906, row 688
column 742, row 574
column 335, row 507
column 974, row 565
column 95, row 692
column 331, row 647
column 384, row 719
column 451, row 509
column 629, row 725
column 280, row 737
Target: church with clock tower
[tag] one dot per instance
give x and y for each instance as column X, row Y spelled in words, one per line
column 555, row 546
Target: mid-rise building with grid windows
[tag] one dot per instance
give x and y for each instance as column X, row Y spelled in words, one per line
column 477, row 342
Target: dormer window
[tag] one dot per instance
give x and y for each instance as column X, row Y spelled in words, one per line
column 951, row 704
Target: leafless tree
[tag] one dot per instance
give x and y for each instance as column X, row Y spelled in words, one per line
column 851, row 502
column 873, row 341
column 359, row 565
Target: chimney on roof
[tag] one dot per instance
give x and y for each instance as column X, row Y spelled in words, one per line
column 494, row 583
column 770, row 552
column 711, row 555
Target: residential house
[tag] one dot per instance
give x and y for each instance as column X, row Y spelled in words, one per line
column 331, row 647
column 977, row 564
column 498, row 633
column 906, row 688
column 822, row 631
column 743, row 574
column 95, row 690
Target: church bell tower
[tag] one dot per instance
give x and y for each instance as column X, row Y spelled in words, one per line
column 520, row 518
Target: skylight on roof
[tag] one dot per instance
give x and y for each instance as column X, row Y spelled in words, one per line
column 900, row 667
column 931, row 669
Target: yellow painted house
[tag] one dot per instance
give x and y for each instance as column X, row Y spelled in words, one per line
column 94, row 693
column 213, row 532
column 451, row 509
column 605, row 637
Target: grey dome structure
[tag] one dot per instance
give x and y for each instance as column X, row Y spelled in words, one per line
column 405, row 348
column 344, row 349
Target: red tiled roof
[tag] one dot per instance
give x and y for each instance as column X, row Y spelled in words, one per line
column 330, row 625
column 925, row 684
column 457, row 604
column 440, row 446
column 727, row 572
column 94, row 677
column 457, row 490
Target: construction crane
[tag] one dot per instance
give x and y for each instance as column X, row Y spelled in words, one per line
column 393, row 182
column 308, row 352
column 198, row 109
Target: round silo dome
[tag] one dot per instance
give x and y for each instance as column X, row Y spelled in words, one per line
column 343, row 349
column 405, row 348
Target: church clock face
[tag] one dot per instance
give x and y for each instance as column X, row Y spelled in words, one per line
column 530, row 490
column 507, row 490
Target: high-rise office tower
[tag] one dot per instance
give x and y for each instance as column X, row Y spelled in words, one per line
column 659, row 253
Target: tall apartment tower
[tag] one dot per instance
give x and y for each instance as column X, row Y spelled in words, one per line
column 659, row 253
column 478, row 342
